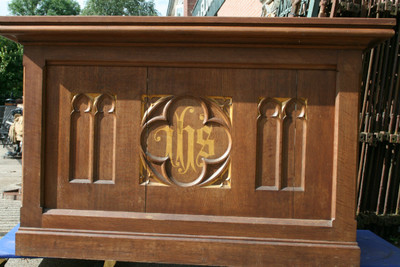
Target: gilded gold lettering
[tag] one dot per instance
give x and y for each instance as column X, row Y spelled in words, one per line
column 179, row 138
column 203, row 140
column 169, row 134
column 190, row 151
column 204, row 143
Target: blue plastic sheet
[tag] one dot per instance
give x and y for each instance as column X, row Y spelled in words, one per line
column 7, row 244
column 376, row 251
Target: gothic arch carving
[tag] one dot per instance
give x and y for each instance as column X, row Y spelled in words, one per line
column 268, row 143
column 81, row 131
column 281, row 144
column 92, row 138
column 104, row 138
column 293, row 144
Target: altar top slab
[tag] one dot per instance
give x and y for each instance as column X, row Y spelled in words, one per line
column 334, row 33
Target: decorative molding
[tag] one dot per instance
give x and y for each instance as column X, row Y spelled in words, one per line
column 186, row 141
column 281, row 144
column 348, row 33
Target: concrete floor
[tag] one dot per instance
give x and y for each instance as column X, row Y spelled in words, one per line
column 10, row 179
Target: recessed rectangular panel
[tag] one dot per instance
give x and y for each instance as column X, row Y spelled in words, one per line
column 270, row 134
column 190, row 142
column 93, row 162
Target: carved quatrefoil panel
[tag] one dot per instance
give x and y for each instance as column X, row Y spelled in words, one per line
column 186, row 141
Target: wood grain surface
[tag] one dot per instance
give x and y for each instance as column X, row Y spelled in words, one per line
column 238, row 32
column 191, row 140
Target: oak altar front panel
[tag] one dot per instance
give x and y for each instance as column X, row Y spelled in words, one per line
column 91, row 137
column 203, row 141
column 280, row 124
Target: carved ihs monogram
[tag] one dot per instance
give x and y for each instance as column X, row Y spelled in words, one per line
column 186, row 141
column 200, row 137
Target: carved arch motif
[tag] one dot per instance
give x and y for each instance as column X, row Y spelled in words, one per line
column 268, row 143
column 81, row 137
column 293, row 144
column 104, row 138
column 92, row 138
column 281, row 139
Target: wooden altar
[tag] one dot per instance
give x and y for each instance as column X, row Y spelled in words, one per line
column 218, row 141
